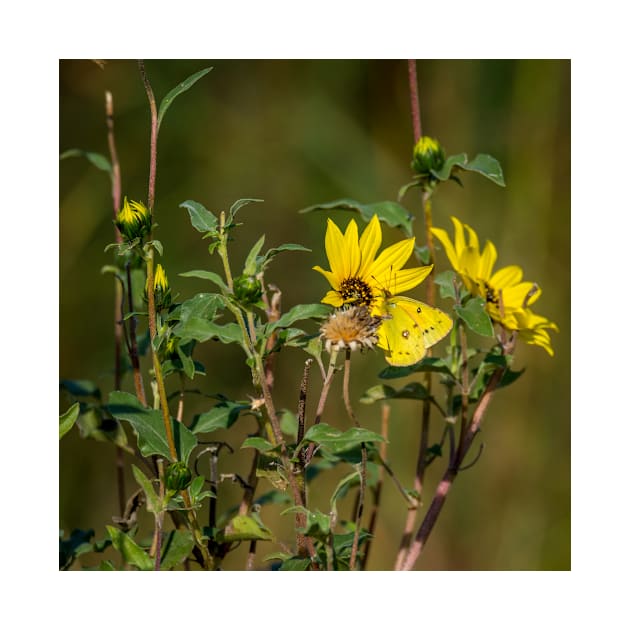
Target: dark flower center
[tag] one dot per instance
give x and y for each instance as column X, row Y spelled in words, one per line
column 356, row 291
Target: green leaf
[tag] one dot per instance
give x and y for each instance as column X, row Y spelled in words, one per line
column 81, row 388
column 446, row 281
column 250, row 268
column 487, row 166
column 483, row 164
column 244, row 528
column 390, row 212
column 202, row 330
column 237, row 205
column 339, row 441
column 202, row 305
column 475, row 316
column 289, row 423
column 67, row 419
column 317, row 523
column 295, row 564
column 353, row 479
column 154, row 504
column 98, row 160
column 188, row 365
column 202, row 220
column 451, row 162
column 71, row 548
column 297, row 313
column 260, row 444
column 423, row 254
column 428, row 364
column 176, row 547
column 149, row 425
column 206, row 275
column 176, row 91
column 414, row 391
column 94, row 426
column 221, row 416
column 287, row 247
column 131, row 552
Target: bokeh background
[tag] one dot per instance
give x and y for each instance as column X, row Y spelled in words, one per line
column 296, row 133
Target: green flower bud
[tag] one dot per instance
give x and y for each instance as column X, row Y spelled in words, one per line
column 161, row 289
column 427, row 155
column 178, row 477
column 247, row 289
column 134, row 220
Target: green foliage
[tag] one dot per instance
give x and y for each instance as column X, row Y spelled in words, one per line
column 131, row 552
column 67, row 419
column 336, row 440
column 96, row 159
column 167, row 101
column 413, row 391
column 475, row 316
column 149, row 426
column 222, row 416
column 389, row 212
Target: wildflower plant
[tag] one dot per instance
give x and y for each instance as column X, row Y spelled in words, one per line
column 362, row 309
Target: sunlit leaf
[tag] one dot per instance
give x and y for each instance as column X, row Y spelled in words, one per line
column 202, row 220
column 428, row 364
column 67, row 419
column 476, row 318
column 260, row 444
column 167, row 101
column 297, row 313
column 176, row 547
column 202, row 330
column 337, row 440
column 206, row 275
column 131, row 552
column 244, row 528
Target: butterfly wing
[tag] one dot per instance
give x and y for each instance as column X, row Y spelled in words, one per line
column 409, row 328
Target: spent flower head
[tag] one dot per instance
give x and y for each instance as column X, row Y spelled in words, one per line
column 350, row 327
column 133, row 220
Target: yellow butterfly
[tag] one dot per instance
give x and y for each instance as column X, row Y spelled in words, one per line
column 409, row 327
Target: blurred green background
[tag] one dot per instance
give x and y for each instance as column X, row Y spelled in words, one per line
column 297, row 133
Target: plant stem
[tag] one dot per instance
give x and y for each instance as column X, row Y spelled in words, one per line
column 133, row 343
column 385, row 409
column 415, row 101
column 154, row 134
column 446, row 483
column 363, row 483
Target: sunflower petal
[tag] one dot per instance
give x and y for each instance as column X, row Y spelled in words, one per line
column 407, row 279
column 389, row 261
column 473, row 241
column 486, row 261
column 369, row 243
column 333, row 298
column 335, row 250
column 507, row 276
column 443, row 237
column 459, row 241
column 330, row 276
column 351, row 247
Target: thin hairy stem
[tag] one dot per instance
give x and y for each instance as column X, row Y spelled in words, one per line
column 154, row 134
column 133, row 343
column 415, row 101
column 180, row 402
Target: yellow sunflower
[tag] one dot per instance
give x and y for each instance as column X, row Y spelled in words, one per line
column 360, row 278
column 507, row 297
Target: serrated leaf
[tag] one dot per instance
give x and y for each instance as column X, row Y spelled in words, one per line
column 260, row 444
column 176, row 91
column 176, row 547
column 338, row 441
column 297, row 313
column 131, row 552
column 250, row 268
column 221, row 416
column 98, row 160
column 202, row 220
column 475, row 316
column 206, row 275
column 244, row 528
column 390, row 212
column 414, row 391
column 149, row 425
column 67, row 419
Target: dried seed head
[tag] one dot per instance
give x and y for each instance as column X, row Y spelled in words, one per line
column 351, row 327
